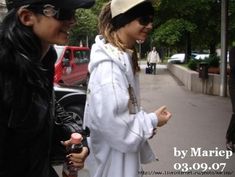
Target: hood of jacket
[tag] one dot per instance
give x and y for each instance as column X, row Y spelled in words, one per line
column 103, row 51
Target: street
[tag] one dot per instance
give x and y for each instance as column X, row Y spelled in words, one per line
column 199, row 123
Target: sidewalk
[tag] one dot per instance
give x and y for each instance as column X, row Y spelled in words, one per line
column 198, row 121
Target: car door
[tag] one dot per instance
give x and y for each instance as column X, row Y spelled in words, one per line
column 80, row 65
column 67, row 67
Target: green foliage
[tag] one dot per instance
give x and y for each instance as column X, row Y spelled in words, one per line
column 174, row 21
column 192, row 64
column 203, row 15
column 171, row 32
column 213, row 60
column 86, row 27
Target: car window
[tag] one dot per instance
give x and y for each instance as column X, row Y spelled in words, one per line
column 202, row 56
column 67, row 54
column 81, row 56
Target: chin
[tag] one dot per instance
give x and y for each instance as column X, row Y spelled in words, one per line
column 62, row 42
column 144, row 36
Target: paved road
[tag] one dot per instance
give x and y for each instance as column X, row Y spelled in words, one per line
column 198, row 121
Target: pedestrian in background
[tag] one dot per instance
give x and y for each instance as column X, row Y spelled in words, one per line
column 230, row 136
column 153, row 59
column 119, row 128
column 27, row 105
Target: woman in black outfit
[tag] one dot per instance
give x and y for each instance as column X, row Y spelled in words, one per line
column 29, row 132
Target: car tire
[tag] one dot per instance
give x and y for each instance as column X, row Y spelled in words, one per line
column 75, row 109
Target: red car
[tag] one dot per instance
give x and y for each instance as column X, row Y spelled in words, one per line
column 71, row 67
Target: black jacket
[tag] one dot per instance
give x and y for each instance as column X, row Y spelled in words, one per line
column 27, row 125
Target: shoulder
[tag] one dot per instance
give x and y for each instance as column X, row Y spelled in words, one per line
column 50, row 56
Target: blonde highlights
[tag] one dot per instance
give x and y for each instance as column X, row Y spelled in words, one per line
column 109, row 33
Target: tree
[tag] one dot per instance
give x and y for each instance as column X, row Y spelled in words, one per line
column 231, row 23
column 85, row 28
column 188, row 23
column 174, row 24
column 181, row 25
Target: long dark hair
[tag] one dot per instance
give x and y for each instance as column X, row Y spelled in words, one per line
column 20, row 54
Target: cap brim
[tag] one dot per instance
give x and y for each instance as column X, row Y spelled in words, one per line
column 75, row 4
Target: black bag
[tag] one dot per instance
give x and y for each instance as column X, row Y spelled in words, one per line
column 148, row 70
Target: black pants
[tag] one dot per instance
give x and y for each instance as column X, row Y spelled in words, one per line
column 153, row 68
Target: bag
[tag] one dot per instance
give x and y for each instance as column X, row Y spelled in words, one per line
column 148, row 70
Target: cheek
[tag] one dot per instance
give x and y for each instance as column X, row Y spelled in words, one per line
column 136, row 31
column 135, row 28
column 48, row 31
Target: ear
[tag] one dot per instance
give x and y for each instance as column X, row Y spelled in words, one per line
column 26, row 17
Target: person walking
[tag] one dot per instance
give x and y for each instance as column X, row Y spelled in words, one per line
column 119, row 128
column 29, row 130
column 153, row 58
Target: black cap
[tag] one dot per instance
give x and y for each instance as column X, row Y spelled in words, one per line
column 65, row 4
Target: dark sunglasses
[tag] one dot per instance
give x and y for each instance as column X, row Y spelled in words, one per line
column 51, row 11
column 145, row 20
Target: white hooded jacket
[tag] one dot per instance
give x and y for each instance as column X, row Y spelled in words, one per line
column 118, row 139
column 153, row 57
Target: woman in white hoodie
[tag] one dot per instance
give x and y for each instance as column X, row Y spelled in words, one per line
column 119, row 129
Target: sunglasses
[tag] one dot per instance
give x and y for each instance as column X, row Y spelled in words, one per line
column 145, row 20
column 51, row 11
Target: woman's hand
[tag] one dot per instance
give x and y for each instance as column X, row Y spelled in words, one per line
column 163, row 116
column 77, row 159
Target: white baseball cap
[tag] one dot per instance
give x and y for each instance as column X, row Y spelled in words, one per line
column 122, row 6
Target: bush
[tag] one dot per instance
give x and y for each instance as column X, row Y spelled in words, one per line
column 192, row 64
column 213, row 60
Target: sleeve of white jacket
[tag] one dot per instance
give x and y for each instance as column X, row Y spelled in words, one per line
column 109, row 112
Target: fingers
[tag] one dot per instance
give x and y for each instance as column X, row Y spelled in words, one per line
column 76, row 162
column 66, row 143
column 167, row 114
column 163, row 115
column 78, row 159
column 161, row 109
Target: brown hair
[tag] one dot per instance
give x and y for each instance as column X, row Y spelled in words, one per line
column 108, row 31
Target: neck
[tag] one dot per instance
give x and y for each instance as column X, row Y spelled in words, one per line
column 125, row 39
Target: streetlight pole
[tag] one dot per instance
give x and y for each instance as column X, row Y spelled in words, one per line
column 223, row 67
column 139, row 42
